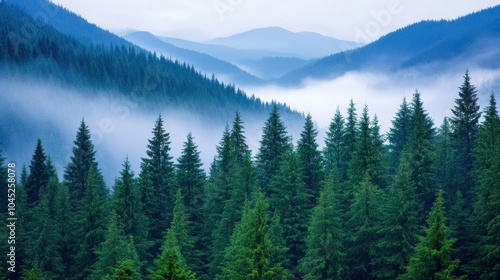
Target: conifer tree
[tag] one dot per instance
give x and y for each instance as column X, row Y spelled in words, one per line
column 128, row 207
column 350, row 136
column 117, row 247
column 399, row 133
column 332, row 153
column 399, row 227
column 324, row 257
column 160, row 174
column 38, row 175
column 311, row 160
column 274, row 143
column 464, row 124
column 444, row 164
column 34, row 273
column 290, row 200
column 124, row 270
column 421, row 153
column 91, row 222
column 171, row 264
column 487, row 203
column 76, row 172
column 432, row 257
column 364, row 215
column 249, row 255
column 180, row 230
column 64, row 225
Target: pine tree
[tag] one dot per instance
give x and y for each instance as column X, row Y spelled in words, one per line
column 160, row 174
column 364, row 215
column 34, row 273
column 421, row 153
column 324, row 258
column 92, row 219
column 350, row 136
column 399, row 227
column 170, row 264
column 332, row 153
column 191, row 180
column 274, row 143
column 464, row 124
column 126, row 203
column 38, row 175
column 311, row 160
column 399, row 133
column 64, row 224
column 432, row 257
column 117, row 247
column 290, row 200
column 444, row 164
column 124, row 270
column 76, row 172
column 486, row 166
column 249, row 255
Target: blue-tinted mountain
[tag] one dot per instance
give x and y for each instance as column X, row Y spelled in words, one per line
column 209, row 65
column 433, row 46
column 68, row 23
column 305, row 45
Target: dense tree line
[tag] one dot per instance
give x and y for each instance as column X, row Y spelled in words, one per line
column 417, row 203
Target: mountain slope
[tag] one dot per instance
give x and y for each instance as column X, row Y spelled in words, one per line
column 305, row 45
column 436, row 45
column 203, row 62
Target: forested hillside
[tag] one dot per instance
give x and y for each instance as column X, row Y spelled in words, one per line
column 418, row 203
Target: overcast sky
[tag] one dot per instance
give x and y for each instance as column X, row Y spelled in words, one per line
column 206, row 19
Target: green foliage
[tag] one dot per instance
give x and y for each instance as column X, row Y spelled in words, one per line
column 421, row 154
column 273, row 144
column 157, row 176
column 124, row 270
column 432, row 257
column 400, row 132
column 364, row 216
column 487, row 203
column 444, row 163
column 333, row 153
column 250, row 252
column 170, row 264
column 290, row 199
column 310, row 159
column 38, row 176
column 91, row 222
column 116, row 248
column 34, row 273
column 325, row 257
column 464, row 123
column 399, row 227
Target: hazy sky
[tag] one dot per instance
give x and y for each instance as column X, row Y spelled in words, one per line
column 206, row 19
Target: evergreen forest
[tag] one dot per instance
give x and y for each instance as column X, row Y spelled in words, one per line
column 421, row 202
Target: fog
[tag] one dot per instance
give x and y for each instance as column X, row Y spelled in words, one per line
column 383, row 93
column 121, row 126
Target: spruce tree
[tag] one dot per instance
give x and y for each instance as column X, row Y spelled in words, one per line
column 464, row 122
column 444, row 163
column 159, row 169
column 311, row 160
column 332, row 153
column 124, row 270
column 127, row 204
column 486, row 166
column 171, row 264
column 116, row 247
column 180, row 230
column 399, row 133
column 324, row 257
column 92, row 220
column 399, row 227
column 38, row 175
column 76, row 172
column 273, row 144
column 349, row 136
column 432, row 257
column 290, row 200
column 250, row 252
column 364, row 215
column 421, row 154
